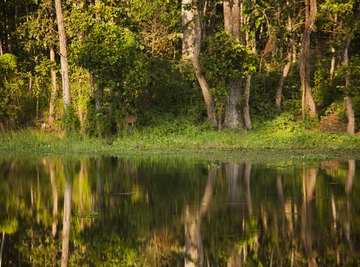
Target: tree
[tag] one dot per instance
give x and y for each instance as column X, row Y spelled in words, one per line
column 63, row 56
column 191, row 52
column 308, row 104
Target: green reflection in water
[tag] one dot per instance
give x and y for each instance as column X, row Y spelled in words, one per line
column 167, row 211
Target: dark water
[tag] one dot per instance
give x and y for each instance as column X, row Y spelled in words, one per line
column 178, row 212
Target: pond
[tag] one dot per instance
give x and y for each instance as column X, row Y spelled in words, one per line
column 169, row 211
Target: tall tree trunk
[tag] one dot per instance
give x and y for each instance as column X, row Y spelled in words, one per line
column 63, row 55
column 53, row 89
column 308, row 104
column 246, row 107
column 348, row 102
column 191, row 51
column 232, row 25
column 332, row 49
column 280, row 87
column 66, row 223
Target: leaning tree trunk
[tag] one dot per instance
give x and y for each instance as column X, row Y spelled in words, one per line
column 348, row 102
column 63, row 55
column 308, row 104
column 232, row 25
column 280, row 87
column 53, row 89
column 191, row 52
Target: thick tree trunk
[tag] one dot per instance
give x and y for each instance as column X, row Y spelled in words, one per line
column 232, row 25
column 53, row 90
column 232, row 118
column 191, row 52
column 348, row 102
column 308, row 104
column 280, row 87
column 66, row 223
column 63, row 55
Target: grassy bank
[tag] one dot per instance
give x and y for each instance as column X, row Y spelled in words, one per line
column 267, row 141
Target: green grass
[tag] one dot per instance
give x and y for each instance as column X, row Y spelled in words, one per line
column 268, row 141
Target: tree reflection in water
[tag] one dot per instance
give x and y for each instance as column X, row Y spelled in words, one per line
column 176, row 212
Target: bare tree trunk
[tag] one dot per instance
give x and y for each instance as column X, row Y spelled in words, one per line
column 333, row 58
column 63, row 55
column 232, row 25
column 348, row 102
column 53, row 89
column 66, row 223
column 246, row 107
column 308, row 104
column 191, row 52
column 280, row 87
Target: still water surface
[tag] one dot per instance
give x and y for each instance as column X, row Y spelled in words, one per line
column 168, row 211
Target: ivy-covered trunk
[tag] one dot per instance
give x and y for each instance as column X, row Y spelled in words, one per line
column 232, row 25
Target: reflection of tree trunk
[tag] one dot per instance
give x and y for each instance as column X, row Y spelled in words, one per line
column 66, row 223
column 348, row 187
column 309, row 182
column 2, row 247
column 232, row 173
column 193, row 240
column 55, row 197
column 350, row 176
column 247, row 175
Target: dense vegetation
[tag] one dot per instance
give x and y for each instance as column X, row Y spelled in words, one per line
column 183, row 68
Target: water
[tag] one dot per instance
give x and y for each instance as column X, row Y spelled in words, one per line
column 178, row 212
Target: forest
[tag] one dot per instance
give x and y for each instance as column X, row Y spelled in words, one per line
column 105, row 67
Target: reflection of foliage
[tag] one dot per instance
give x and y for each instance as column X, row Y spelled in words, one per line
column 9, row 226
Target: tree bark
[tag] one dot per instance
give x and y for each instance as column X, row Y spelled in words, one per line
column 246, row 107
column 348, row 102
column 308, row 104
column 280, row 87
column 53, row 89
column 2, row 247
column 66, row 223
column 63, row 55
column 191, row 52
column 232, row 25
